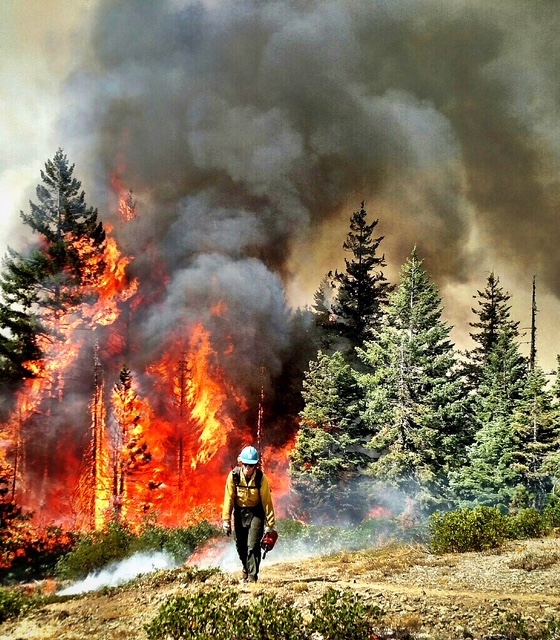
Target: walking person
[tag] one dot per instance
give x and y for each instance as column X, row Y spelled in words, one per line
column 247, row 497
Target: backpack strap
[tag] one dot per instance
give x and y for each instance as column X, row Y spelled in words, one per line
column 236, row 474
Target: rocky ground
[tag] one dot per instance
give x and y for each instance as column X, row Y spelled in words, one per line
column 434, row 597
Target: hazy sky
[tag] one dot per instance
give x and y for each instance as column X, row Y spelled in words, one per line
column 250, row 131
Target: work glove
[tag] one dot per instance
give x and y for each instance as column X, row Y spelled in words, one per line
column 226, row 527
column 268, row 529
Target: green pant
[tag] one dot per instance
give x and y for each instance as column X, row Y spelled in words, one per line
column 248, row 527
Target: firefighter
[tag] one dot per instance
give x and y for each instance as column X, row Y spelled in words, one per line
column 247, row 496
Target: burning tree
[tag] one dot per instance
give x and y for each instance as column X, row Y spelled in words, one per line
column 43, row 289
column 130, row 452
column 82, row 453
column 44, row 292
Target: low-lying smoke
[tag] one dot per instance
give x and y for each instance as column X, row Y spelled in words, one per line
column 120, row 573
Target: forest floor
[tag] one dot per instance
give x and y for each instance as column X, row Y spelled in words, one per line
column 432, row 596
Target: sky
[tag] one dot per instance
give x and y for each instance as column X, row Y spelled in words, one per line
column 249, row 132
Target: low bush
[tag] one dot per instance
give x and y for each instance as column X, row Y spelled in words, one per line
column 533, row 561
column 517, row 627
column 13, row 603
column 339, row 615
column 551, row 514
column 332, row 538
column 117, row 542
column 217, row 614
column 477, row 529
column 179, row 543
column 526, row 523
column 94, row 551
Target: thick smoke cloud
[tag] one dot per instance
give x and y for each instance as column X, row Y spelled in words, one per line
column 247, row 128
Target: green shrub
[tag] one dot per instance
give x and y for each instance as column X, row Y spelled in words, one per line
column 179, row 543
column 551, row 513
column 271, row 619
column 117, row 542
column 468, row 529
column 95, row 551
column 339, row 615
column 516, row 627
column 13, row 603
column 216, row 614
column 332, row 538
column 527, row 523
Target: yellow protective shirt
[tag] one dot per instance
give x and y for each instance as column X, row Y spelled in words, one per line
column 246, row 494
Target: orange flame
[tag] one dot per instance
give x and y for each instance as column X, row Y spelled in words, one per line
column 158, row 447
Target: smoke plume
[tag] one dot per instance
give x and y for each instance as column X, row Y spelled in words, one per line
column 246, row 133
column 249, row 132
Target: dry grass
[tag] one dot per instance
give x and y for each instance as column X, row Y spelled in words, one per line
column 389, row 560
column 531, row 561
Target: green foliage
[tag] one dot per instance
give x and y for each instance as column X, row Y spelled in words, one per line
column 13, row 602
column 416, row 407
column 95, row 551
column 493, row 313
column 219, row 615
column 468, row 529
column 329, row 453
column 482, row 528
column 331, row 539
column 516, row 627
column 527, row 523
column 362, row 289
column 179, row 542
column 339, row 615
column 117, row 541
column 551, row 513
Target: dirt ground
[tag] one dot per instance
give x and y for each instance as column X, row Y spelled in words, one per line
column 434, row 597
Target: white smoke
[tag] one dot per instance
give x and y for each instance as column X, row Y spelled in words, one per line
column 122, row 572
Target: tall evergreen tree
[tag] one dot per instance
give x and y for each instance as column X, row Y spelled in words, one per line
column 362, row 290
column 535, row 426
column 489, row 476
column 551, row 463
column 415, row 400
column 329, row 454
column 38, row 288
column 493, row 312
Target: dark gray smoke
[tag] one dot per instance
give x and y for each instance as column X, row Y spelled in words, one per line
column 246, row 128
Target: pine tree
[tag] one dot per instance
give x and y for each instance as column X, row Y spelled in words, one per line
column 489, row 476
column 41, row 287
column 416, row 406
column 493, row 313
column 362, row 289
column 329, row 454
column 131, row 453
column 535, row 426
column 18, row 343
column 46, row 293
column 551, row 462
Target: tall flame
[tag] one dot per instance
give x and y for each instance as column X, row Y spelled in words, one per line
column 157, row 442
